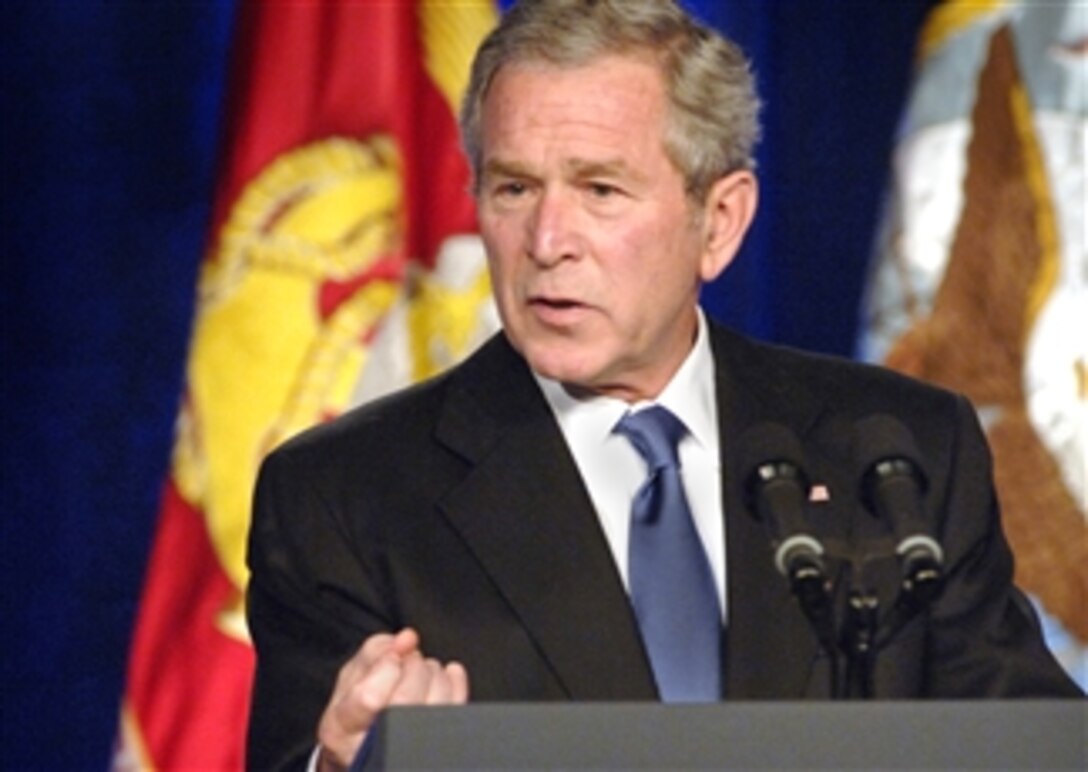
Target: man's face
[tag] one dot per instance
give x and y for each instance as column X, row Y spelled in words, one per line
column 595, row 250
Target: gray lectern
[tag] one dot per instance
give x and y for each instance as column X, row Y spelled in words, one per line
column 742, row 735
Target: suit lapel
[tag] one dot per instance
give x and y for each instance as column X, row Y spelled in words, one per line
column 770, row 651
column 524, row 512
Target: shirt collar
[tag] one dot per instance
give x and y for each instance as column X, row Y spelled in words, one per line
column 690, row 395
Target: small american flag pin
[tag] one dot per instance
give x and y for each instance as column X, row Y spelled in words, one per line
column 819, row 493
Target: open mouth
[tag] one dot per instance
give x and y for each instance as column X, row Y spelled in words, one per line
column 556, row 310
column 556, row 303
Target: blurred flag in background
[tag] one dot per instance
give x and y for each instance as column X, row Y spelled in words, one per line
column 981, row 280
column 342, row 263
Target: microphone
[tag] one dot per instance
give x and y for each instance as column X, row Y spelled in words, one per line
column 776, row 493
column 892, row 485
column 772, row 466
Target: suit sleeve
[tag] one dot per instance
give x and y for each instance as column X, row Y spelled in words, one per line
column 984, row 638
column 303, row 620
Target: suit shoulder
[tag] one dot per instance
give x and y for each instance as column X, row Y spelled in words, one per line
column 372, row 423
column 402, row 421
column 855, row 387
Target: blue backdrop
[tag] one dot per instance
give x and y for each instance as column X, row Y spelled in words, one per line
column 110, row 119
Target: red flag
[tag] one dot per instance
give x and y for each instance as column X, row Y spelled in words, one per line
column 341, row 172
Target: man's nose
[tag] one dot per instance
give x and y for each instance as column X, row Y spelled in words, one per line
column 552, row 232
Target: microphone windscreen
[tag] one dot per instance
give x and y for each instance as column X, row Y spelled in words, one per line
column 882, row 438
column 768, row 452
column 767, row 443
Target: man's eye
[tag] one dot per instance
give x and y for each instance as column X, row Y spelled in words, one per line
column 511, row 189
column 602, row 189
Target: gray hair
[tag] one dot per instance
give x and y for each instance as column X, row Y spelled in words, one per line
column 713, row 119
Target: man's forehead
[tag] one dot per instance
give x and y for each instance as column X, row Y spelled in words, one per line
column 605, row 117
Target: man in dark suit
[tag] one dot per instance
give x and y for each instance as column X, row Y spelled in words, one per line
column 476, row 528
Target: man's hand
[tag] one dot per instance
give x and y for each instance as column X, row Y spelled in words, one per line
column 387, row 670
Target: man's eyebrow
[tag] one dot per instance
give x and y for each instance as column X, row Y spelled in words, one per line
column 609, row 168
column 497, row 167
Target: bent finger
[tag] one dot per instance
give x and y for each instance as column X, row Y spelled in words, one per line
column 459, row 682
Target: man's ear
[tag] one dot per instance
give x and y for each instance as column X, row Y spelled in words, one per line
column 728, row 211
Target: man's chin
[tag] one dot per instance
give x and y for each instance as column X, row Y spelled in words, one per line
column 559, row 366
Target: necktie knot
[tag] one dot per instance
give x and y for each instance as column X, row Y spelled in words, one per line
column 655, row 433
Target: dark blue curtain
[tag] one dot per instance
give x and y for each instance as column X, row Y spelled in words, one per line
column 110, row 120
column 834, row 76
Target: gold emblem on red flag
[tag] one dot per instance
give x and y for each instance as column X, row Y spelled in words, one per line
column 308, row 262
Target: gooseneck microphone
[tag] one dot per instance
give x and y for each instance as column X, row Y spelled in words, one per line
column 776, row 492
column 892, row 485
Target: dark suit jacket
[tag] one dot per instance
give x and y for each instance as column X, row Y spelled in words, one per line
column 455, row 507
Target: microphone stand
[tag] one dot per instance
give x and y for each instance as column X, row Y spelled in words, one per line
column 860, row 643
column 865, row 631
column 813, row 592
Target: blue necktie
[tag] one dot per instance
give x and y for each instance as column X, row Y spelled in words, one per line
column 672, row 586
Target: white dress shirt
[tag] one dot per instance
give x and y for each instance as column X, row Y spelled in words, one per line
column 613, row 470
